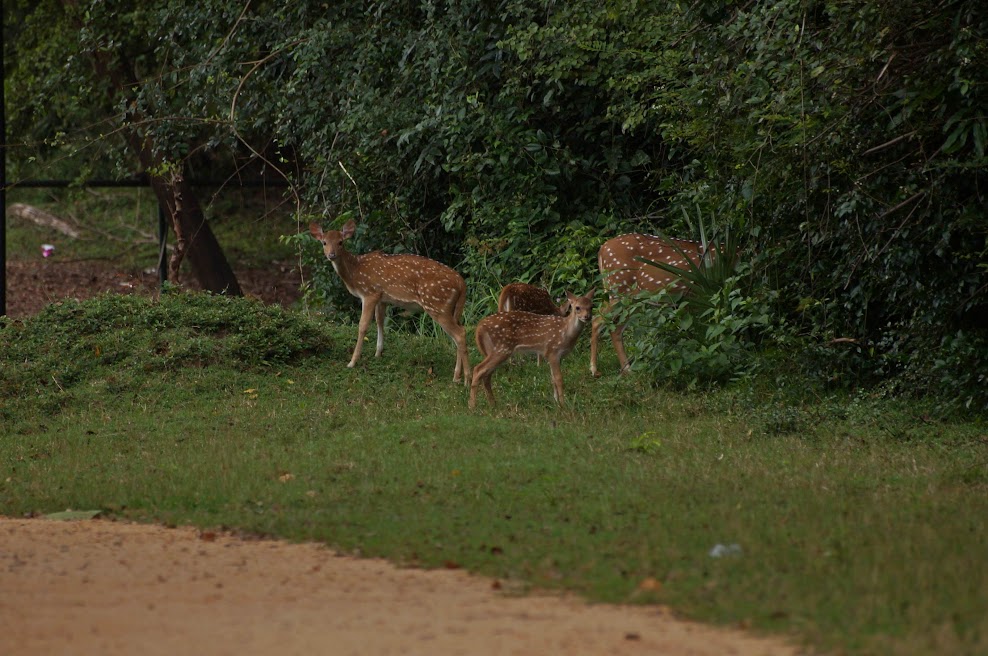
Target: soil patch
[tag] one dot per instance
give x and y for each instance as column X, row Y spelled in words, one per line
column 31, row 285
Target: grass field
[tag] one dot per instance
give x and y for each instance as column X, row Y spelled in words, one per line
column 861, row 522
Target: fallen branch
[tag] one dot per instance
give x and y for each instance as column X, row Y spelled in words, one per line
column 888, row 143
column 41, row 218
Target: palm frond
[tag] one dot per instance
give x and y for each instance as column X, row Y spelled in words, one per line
column 708, row 277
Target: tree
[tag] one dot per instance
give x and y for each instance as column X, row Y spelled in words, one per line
column 76, row 73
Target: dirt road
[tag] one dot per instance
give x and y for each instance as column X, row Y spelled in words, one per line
column 114, row 588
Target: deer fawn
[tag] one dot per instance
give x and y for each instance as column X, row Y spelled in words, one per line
column 624, row 275
column 552, row 337
column 412, row 282
column 522, row 297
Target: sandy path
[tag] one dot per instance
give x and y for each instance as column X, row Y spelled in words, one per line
column 110, row 588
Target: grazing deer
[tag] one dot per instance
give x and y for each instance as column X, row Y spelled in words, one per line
column 522, row 297
column 552, row 337
column 412, row 282
column 625, row 275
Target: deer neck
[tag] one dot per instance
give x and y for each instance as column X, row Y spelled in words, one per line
column 346, row 265
column 572, row 328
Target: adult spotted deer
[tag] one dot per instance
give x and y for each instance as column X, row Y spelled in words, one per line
column 522, row 297
column 624, row 275
column 552, row 337
column 409, row 281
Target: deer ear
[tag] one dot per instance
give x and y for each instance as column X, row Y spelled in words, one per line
column 568, row 303
column 589, row 294
column 315, row 230
column 349, row 229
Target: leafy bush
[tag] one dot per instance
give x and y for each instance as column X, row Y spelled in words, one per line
column 694, row 344
column 955, row 371
column 853, row 134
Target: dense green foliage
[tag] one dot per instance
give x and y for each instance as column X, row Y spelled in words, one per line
column 855, row 136
column 845, row 140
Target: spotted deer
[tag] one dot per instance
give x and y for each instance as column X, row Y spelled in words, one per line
column 552, row 337
column 522, row 297
column 408, row 281
column 624, row 275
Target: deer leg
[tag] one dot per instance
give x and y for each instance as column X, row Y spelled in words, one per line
column 482, row 375
column 594, row 337
column 462, row 354
column 488, row 389
column 380, row 313
column 366, row 315
column 458, row 334
column 496, row 360
column 557, row 377
column 478, row 374
column 618, row 341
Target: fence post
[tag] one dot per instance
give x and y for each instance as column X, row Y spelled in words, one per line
column 3, row 174
column 162, row 248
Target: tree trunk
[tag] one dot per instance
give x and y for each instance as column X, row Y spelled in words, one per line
column 195, row 240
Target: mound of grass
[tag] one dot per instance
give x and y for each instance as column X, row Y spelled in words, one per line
column 122, row 340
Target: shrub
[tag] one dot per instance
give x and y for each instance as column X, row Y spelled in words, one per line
column 696, row 344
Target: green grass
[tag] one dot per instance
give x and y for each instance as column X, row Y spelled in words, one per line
column 862, row 524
